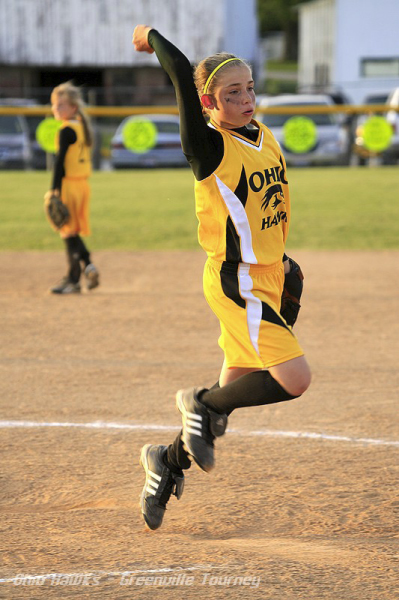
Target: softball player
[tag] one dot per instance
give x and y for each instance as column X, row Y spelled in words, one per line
column 243, row 209
column 70, row 182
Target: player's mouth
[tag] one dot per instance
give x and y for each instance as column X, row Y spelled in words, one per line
column 249, row 113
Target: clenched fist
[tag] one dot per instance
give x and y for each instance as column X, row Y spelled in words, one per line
column 140, row 39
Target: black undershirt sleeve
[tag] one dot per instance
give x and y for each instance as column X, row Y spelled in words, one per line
column 67, row 137
column 202, row 145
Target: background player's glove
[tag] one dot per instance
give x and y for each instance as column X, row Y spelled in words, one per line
column 293, row 286
column 56, row 211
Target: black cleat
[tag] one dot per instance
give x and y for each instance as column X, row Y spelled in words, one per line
column 200, row 427
column 92, row 277
column 160, row 483
column 66, row 286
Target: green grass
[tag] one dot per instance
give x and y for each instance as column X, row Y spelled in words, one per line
column 344, row 208
column 332, row 208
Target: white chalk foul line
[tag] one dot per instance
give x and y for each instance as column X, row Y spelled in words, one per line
column 93, row 425
column 149, row 427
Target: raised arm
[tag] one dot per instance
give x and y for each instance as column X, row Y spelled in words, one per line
column 202, row 145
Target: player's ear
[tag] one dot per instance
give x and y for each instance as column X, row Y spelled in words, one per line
column 207, row 101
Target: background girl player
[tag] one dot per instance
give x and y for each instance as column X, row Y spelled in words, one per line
column 72, row 168
column 243, row 208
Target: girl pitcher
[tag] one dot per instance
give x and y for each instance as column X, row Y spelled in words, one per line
column 243, row 208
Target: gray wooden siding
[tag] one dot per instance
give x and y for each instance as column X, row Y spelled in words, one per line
column 99, row 32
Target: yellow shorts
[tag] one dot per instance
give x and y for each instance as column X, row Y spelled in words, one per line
column 246, row 299
column 75, row 193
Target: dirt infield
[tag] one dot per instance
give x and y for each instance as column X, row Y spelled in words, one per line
column 303, row 502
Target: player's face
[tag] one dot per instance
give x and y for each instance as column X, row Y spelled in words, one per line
column 234, row 98
column 62, row 109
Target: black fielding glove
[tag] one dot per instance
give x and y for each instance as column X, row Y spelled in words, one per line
column 56, row 211
column 292, row 292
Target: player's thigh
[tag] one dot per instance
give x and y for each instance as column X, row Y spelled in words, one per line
column 228, row 375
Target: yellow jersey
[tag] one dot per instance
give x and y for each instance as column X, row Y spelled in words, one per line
column 77, row 163
column 243, row 208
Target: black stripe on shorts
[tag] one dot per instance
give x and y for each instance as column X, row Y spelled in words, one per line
column 268, row 314
column 231, row 288
column 229, row 281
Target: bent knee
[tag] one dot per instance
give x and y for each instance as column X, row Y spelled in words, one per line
column 294, row 376
column 298, row 389
column 299, row 384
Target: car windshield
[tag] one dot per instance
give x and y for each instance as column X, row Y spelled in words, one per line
column 9, row 125
column 279, row 120
column 376, row 99
column 166, row 127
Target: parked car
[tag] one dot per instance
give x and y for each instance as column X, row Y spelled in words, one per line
column 331, row 145
column 391, row 154
column 375, row 99
column 166, row 152
column 337, row 95
column 39, row 157
column 15, row 148
column 37, row 154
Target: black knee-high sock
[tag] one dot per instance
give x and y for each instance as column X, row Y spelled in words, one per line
column 252, row 389
column 176, row 456
column 83, row 251
column 73, row 255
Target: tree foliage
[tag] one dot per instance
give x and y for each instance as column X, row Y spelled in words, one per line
column 281, row 15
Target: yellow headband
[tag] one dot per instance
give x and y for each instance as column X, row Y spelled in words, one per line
column 208, row 81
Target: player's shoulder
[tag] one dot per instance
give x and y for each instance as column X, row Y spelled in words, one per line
column 70, row 130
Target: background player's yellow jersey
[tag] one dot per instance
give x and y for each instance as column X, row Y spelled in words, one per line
column 77, row 161
column 243, row 208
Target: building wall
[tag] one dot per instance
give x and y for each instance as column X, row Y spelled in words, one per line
column 365, row 29
column 45, row 42
column 316, row 44
column 336, row 35
column 99, row 32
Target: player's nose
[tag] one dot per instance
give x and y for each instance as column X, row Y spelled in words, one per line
column 246, row 98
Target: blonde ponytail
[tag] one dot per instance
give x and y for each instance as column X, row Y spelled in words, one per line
column 74, row 97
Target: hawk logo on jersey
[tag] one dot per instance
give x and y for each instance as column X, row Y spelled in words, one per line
column 272, row 192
